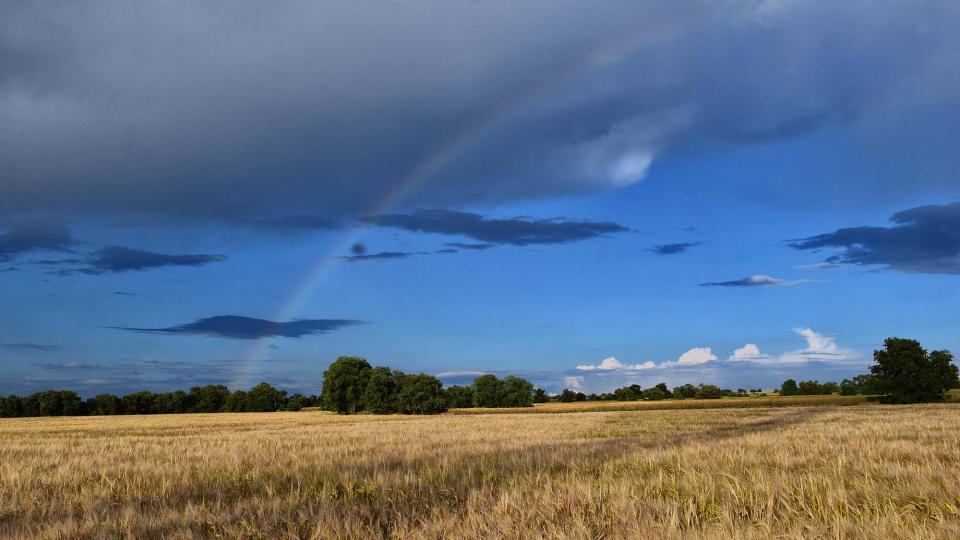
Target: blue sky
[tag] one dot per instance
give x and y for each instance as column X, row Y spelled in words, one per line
column 733, row 193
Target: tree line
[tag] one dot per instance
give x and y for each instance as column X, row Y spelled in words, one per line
column 351, row 385
column 903, row 372
column 199, row 399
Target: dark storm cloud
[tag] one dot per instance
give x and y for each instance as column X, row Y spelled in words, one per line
column 237, row 327
column 246, row 109
column 673, row 249
column 925, row 239
column 29, row 347
column 510, row 231
column 26, row 238
column 116, row 259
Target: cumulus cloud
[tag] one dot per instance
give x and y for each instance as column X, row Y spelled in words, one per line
column 820, row 348
column 573, row 382
column 238, row 327
column 246, row 109
column 693, row 357
column 511, row 231
column 925, row 239
column 757, row 281
column 612, row 363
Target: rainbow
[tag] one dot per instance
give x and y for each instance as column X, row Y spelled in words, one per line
column 608, row 54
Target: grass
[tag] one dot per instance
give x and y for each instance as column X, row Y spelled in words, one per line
column 784, row 472
column 724, row 403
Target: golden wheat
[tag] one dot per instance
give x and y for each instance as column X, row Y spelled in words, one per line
column 803, row 472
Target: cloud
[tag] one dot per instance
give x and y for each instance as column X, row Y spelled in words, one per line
column 469, row 247
column 242, row 108
column 573, row 382
column 696, row 356
column 381, row 256
column 31, row 237
column 29, row 347
column 749, row 352
column 115, row 260
column 757, row 281
column 613, row 364
column 237, row 327
column 511, row 231
column 693, row 357
column 820, row 348
column 673, row 249
column 925, row 239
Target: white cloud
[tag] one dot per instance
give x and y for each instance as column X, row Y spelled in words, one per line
column 612, row 363
column 696, row 356
column 819, row 348
column 631, row 167
column 573, row 383
column 749, row 352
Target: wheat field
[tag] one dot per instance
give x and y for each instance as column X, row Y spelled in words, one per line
column 805, row 472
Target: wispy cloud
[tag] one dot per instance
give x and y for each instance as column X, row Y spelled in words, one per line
column 23, row 346
column 30, row 237
column 757, row 281
column 116, row 259
column 673, row 249
column 518, row 231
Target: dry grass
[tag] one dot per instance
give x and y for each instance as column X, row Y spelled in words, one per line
column 801, row 472
column 725, row 403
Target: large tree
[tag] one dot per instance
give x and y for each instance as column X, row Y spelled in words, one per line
column 487, row 391
column 420, row 394
column 906, row 373
column 344, row 384
column 380, row 396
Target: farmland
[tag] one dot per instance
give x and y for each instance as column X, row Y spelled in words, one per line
column 861, row 471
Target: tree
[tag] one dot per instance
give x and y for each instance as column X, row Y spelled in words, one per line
column 344, row 384
column 540, row 395
column 420, row 394
column 708, row 391
column 848, row 388
column 657, row 393
column 486, row 391
column 208, row 399
column 906, row 373
column 380, row 396
column 567, row 396
column 460, row 397
column 237, row 402
column 517, row 392
column 789, row 388
column 265, row 398
column 686, row 391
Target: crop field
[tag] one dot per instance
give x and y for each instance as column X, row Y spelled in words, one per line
column 791, row 472
column 664, row 405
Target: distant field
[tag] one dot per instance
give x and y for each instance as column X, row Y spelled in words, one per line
column 725, row 403
column 797, row 472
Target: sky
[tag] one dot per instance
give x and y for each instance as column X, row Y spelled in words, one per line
column 589, row 195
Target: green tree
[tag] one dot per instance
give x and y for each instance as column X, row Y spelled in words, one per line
column 208, row 399
column 265, row 398
column 567, row 396
column 906, row 373
column 138, row 402
column 657, row 393
column 420, row 394
column 237, row 402
column 344, row 384
column 708, row 391
column 789, row 388
column 517, row 392
column 540, row 395
column 848, row 388
column 686, row 391
column 460, row 397
column 380, row 396
column 486, row 391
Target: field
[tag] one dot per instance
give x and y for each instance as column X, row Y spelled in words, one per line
column 792, row 472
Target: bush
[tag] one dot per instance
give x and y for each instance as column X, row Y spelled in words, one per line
column 708, row 391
